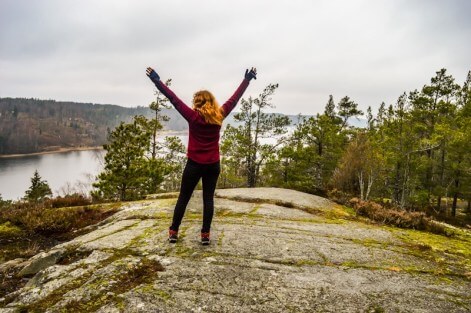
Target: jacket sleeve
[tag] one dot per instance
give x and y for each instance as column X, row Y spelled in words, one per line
column 230, row 104
column 179, row 105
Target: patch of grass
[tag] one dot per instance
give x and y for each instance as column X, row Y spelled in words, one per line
column 9, row 282
column 40, row 220
column 8, row 230
column 454, row 251
column 24, row 247
column 126, row 277
column 72, row 254
column 339, row 212
column 24, row 225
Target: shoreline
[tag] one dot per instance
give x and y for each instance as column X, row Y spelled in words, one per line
column 59, row 150
column 70, row 149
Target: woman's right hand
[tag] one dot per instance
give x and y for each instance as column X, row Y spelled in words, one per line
column 251, row 74
column 152, row 74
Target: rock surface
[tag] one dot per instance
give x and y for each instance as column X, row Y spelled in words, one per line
column 272, row 250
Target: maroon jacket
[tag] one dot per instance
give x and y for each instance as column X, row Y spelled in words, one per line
column 203, row 141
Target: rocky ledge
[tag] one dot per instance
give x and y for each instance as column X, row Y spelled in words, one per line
column 272, row 250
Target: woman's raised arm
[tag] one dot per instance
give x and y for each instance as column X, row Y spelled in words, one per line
column 179, row 105
column 230, row 104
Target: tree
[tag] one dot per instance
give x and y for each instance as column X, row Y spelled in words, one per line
column 4, row 203
column 241, row 145
column 39, row 189
column 432, row 111
column 323, row 142
column 346, row 109
column 459, row 148
column 125, row 175
column 173, row 156
column 359, row 167
column 397, row 142
column 155, row 124
column 314, row 149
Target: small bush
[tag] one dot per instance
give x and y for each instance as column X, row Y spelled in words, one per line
column 338, row 196
column 396, row 217
column 36, row 218
column 68, row 201
column 8, row 230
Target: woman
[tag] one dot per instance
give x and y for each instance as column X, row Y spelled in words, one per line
column 204, row 120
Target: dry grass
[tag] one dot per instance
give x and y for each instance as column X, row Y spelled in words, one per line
column 39, row 219
column 68, row 201
column 397, row 217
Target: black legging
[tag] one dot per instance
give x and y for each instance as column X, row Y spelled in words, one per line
column 191, row 176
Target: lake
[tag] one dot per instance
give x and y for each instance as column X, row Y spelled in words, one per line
column 64, row 172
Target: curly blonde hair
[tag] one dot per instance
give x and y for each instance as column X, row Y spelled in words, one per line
column 205, row 104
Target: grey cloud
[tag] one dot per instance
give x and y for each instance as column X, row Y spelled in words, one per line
column 97, row 50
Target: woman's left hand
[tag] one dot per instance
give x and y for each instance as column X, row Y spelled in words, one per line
column 152, row 74
column 251, row 74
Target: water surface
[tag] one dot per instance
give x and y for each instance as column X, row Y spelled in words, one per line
column 64, row 172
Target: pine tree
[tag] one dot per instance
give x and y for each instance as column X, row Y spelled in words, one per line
column 242, row 144
column 155, row 124
column 126, row 172
column 346, row 109
column 311, row 154
column 39, row 189
column 432, row 112
column 459, row 148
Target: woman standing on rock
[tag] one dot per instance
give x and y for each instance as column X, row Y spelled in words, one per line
column 204, row 120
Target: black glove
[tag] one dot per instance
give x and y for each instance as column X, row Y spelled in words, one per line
column 152, row 74
column 251, row 74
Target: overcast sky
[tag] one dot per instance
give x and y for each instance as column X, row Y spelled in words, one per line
column 97, row 51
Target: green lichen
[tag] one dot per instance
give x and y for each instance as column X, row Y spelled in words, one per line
column 254, row 209
column 127, row 276
column 338, row 212
column 445, row 251
column 161, row 203
column 220, row 238
column 375, row 309
column 150, row 289
column 226, row 213
column 72, row 254
column 57, row 294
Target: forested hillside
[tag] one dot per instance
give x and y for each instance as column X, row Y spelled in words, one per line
column 32, row 125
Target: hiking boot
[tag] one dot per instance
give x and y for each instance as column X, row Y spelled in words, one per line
column 205, row 239
column 172, row 236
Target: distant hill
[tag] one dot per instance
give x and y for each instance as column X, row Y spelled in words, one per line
column 33, row 125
